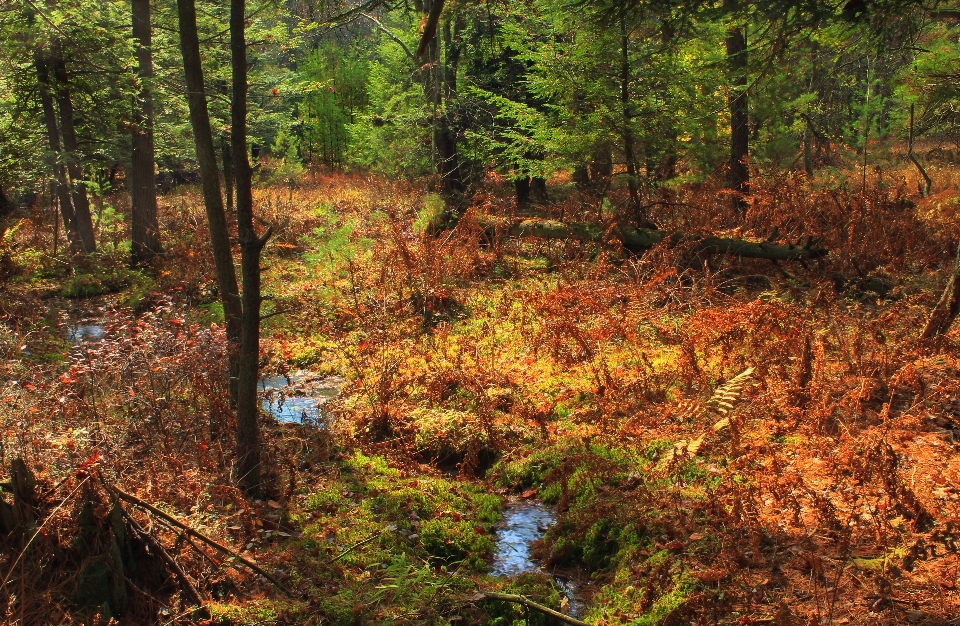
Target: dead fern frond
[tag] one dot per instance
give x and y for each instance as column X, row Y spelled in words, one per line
column 722, row 402
column 728, row 393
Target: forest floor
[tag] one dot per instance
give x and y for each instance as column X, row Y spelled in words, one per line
column 724, row 440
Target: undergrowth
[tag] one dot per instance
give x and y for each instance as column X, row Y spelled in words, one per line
column 723, row 440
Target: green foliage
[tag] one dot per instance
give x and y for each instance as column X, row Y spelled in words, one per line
column 393, row 136
column 334, row 80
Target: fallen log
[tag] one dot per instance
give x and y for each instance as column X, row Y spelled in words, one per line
column 639, row 239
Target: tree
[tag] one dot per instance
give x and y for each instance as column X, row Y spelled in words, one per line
column 53, row 138
column 251, row 245
column 210, row 184
column 78, row 191
column 439, row 77
column 739, row 176
column 144, row 228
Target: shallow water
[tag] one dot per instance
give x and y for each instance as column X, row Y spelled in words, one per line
column 85, row 333
column 523, row 523
column 298, row 397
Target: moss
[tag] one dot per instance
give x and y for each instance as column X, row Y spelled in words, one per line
column 667, row 604
column 251, row 614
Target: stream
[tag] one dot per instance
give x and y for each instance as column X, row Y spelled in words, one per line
column 85, row 333
column 298, row 397
column 524, row 523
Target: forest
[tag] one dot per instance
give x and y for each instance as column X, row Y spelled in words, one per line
column 479, row 312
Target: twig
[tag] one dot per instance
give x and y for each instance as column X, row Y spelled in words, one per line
column 530, row 604
column 165, row 556
column 144, row 593
column 138, row 502
column 355, row 546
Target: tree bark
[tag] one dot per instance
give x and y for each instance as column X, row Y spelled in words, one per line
column 226, row 157
column 639, row 239
column 144, row 228
column 210, row 184
column 629, row 151
column 78, row 192
column 736, row 43
column 248, row 426
column 53, row 137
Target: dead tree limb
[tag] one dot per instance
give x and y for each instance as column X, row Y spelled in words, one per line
column 638, row 239
column 172, row 520
column 947, row 308
column 185, row 583
column 530, row 604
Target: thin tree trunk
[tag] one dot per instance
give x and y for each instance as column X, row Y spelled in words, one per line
column 53, row 137
column 629, row 152
column 144, row 228
column 78, row 191
column 927, row 183
column 248, row 427
column 736, row 43
column 226, row 157
column 210, row 183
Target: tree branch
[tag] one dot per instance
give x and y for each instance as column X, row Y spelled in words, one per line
column 530, row 604
column 390, row 34
column 138, row 502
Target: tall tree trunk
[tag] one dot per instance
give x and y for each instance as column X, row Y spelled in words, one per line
column 53, row 137
column 226, row 157
column 439, row 88
column 739, row 132
column 666, row 168
column 629, row 151
column 78, row 191
column 248, row 427
column 210, row 183
column 144, row 228
column 447, row 141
